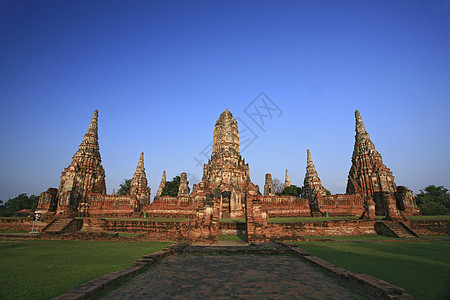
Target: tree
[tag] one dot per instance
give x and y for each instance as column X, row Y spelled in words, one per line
column 292, row 190
column 124, row 187
column 327, row 192
column 434, row 200
column 171, row 187
column 20, row 202
column 278, row 186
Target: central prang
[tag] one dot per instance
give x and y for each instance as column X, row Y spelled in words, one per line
column 226, row 175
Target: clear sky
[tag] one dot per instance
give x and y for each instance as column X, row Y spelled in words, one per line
column 161, row 72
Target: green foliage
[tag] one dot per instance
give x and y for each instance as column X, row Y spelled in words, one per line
column 426, row 264
column 434, row 200
column 328, row 192
column 20, row 202
column 46, row 269
column 171, row 187
column 435, row 217
column 124, row 187
column 292, row 190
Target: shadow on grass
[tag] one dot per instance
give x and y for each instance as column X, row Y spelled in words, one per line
column 421, row 268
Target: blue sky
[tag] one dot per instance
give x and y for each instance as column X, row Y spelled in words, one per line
column 161, row 72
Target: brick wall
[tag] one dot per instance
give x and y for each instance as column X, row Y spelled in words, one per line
column 20, row 224
column 430, row 226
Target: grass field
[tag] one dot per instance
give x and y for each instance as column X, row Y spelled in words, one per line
column 444, row 217
column 45, row 269
column 421, row 268
column 14, row 231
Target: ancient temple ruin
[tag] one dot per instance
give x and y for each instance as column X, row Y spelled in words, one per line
column 226, row 189
column 370, row 177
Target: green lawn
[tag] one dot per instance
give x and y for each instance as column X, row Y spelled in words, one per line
column 351, row 238
column 444, row 217
column 45, row 269
column 239, row 220
column 232, row 238
column 421, row 268
column 309, row 219
column 14, row 231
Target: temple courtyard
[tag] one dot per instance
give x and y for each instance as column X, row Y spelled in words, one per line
column 125, row 268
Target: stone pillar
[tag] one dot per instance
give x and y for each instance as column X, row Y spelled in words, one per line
column 268, row 186
column 183, row 190
column 256, row 220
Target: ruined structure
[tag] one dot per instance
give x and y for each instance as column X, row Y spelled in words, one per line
column 368, row 175
column 85, row 174
column 226, row 190
column 161, row 185
column 183, row 189
column 139, row 184
column 312, row 186
column 82, row 190
column 226, row 176
column 268, row 186
column 287, row 180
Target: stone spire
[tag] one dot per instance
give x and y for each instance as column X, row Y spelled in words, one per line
column 161, row 185
column 268, row 186
column 367, row 174
column 312, row 186
column 85, row 174
column 183, row 189
column 226, row 171
column 226, row 135
column 226, row 167
column 139, row 183
column 287, row 180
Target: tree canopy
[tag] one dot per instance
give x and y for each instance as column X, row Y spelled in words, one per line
column 291, row 190
column 433, row 200
column 171, row 187
column 22, row 201
column 124, row 187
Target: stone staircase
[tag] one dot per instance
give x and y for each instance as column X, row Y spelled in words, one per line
column 57, row 226
column 395, row 229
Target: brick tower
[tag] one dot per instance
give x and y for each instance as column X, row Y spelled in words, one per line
column 312, row 186
column 139, row 183
column 226, row 175
column 85, row 175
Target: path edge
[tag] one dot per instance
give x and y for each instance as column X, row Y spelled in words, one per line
column 375, row 285
column 93, row 287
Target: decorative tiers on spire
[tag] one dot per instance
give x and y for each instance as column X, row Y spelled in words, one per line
column 161, row 185
column 367, row 174
column 139, row 183
column 312, row 186
column 226, row 175
column 287, row 180
column 226, row 135
column 85, row 174
column 226, row 165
